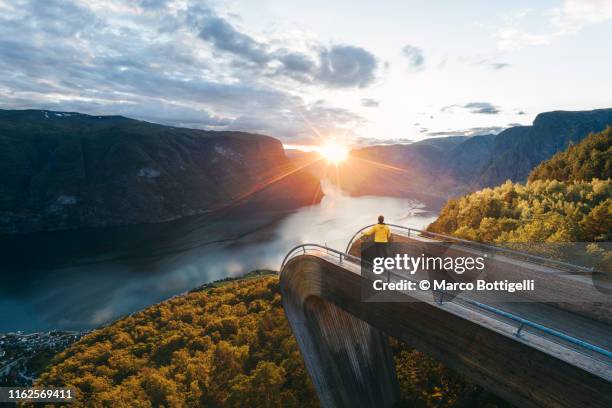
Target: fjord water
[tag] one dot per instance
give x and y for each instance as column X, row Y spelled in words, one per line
column 75, row 280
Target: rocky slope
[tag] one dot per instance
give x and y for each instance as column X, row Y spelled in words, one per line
column 62, row 170
column 436, row 169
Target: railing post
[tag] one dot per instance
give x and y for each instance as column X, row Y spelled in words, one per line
column 518, row 332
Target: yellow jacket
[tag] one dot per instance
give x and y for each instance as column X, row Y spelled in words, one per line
column 381, row 232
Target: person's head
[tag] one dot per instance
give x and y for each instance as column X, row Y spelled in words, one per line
column 381, row 219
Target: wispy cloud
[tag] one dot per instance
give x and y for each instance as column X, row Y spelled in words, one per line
column 474, row 131
column 568, row 19
column 493, row 62
column 367, row 141
column 415, row 57
column 370, row 103
column 499, row 65
column 482, row 107
column 473, row 107
column 575, row 14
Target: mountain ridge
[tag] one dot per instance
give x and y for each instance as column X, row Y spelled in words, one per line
column 441, row 168
column 550, row 133
column 65, row 170
column 566, row 200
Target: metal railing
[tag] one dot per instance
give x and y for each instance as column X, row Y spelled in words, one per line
column 312, row 249
column 540, row 260
column 302, row 248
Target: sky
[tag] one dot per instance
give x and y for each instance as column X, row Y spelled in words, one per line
column 362, row 72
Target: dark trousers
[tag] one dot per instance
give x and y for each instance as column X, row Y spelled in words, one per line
column 382, row 249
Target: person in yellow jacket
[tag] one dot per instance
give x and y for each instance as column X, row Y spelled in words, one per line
column 382, row 234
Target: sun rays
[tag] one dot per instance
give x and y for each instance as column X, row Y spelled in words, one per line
column 334, row 152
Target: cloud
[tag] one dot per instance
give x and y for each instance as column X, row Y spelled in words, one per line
column 499, row 65
column 473, row 107
column 481, row 107
column 510, row 39
column 568, row 19
column 339, row 66
column 300, row 121
column 474, row 131
column 155, row 61
column 490, row 62
column 296, row 62
column 344, row 66
column 372, row 141
column 369, row 103
column 574, row 14
column 153, row 4
column 226, row 38
column 336, row 66
column 415, row 57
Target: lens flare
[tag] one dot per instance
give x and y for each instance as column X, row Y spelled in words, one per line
column 334, row 152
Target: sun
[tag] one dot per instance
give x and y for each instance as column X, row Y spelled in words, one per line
column 334, row 152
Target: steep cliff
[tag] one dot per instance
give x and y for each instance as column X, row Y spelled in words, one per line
column 63, row 170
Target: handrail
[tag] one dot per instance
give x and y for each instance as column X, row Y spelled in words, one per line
column 318, row 246
column 477, row 244
column 498, row 312
column 525, row 322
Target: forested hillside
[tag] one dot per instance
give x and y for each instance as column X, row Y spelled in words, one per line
column 540, row 211
column 589, row 159
column 567, row 199
column 227, row 346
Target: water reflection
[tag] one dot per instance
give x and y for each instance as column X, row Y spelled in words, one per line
column 81, row 279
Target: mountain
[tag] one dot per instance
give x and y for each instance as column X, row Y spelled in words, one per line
column 434, row 170
column 516, row 153
column 568, row 199
column 589, row 159
column 425, row 170
column 62, row 170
